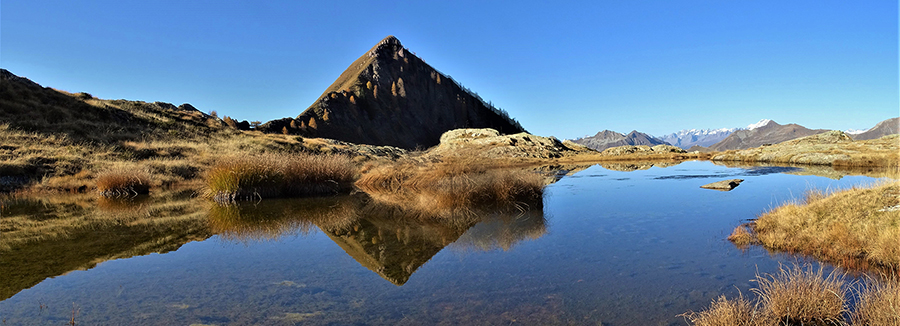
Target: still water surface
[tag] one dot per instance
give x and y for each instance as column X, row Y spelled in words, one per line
column 605, row 248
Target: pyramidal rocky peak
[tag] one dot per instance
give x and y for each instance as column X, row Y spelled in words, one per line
column 389, row 96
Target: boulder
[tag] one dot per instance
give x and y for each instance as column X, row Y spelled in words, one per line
column 725, row 185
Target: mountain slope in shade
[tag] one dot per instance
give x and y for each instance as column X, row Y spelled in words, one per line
column 607, row 138
column 391, row 97
column 763, row 132
column 697, row 137
column 884, row 128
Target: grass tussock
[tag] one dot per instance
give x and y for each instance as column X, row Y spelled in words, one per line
column 879, row 304
column 279, row 175
column 452, row 186
column 805, row 296
column 123, row 182
column 724, row 312
column 742, row 236
column 856, row 228
column 802, row 295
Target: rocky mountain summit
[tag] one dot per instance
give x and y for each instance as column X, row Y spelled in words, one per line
column 762, row 133
column 884, row 128
column 607, row 138
column 389, row 96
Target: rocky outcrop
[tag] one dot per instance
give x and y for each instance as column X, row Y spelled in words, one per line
column 491, row 144
column 607, row 138
column 725, row 185
column 391, row 97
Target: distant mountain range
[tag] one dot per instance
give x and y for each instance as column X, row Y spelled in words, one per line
column 697, row 137
column 607, row 138
column 760, row 133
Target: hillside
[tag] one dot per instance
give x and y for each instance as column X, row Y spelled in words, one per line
column 51, row 140
column 834, row 148
column 607, row 138
column 884, row 128
column 762, row 133
column 389, row 96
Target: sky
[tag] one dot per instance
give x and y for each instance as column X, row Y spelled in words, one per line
column 566, row 69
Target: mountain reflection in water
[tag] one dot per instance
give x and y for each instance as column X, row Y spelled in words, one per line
column 386, row 239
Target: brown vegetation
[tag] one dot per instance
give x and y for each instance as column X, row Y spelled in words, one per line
column 804, row 296
column 830, row 148
column 449, row 187
column 856, row 228
column 123, row 182
column 279, row 175
column 879, row 304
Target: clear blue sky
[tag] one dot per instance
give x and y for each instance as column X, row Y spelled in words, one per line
column 565, row 69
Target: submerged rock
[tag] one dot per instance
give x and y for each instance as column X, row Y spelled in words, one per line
column 725, row 185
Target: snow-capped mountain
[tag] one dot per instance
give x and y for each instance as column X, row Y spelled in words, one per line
column 701, row 137
column 760, row 124
column 855, row 131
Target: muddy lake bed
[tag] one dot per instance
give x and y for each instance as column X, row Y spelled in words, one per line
column 605, row 247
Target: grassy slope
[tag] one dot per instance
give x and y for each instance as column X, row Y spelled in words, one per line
column 58, row 141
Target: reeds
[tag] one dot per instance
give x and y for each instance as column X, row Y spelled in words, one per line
column 123, row 182
column 279, row 175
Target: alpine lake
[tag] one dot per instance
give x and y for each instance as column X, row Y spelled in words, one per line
column 611, row 244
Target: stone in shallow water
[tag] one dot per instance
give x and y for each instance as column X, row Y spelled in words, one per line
column 724, row 185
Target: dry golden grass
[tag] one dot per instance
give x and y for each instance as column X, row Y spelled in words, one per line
column 817, row 150
column 879, row 304
column 279, row 175
column 741, row 237
column 450, row 187
column 724, row 312
column 855, row 228
column 802, row 295
column 123, row 182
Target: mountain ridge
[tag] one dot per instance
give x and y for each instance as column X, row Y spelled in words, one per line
column 608, row 138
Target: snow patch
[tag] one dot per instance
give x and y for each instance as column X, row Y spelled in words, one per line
column 760, row 124
column 855, row 131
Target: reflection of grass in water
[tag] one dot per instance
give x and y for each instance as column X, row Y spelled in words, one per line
column 79, row 231
column 272, row 219
column 452, row 187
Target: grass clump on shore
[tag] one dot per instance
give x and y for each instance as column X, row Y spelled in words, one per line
column 805, row 296
column 123, row 182
column 857, row 228
column 279, row 175
column 724, row 312
column 802, row 295
column 879, row 304
column 452, row 186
